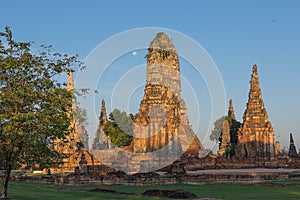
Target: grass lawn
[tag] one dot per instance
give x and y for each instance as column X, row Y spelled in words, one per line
column 37, row 191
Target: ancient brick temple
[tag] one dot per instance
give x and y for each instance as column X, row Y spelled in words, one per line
column 292, row 149
column 256, row 135
column 101, row 141
column 162, row 132
column 162, row 118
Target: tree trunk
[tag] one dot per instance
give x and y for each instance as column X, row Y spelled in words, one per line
column 5, row 182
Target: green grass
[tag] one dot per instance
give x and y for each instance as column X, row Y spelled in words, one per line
column 37, row 191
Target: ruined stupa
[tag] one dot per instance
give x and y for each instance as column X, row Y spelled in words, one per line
column 292, row 149
column 162, row 118
column 256, row 135
column 225, row 138
column 101, row 141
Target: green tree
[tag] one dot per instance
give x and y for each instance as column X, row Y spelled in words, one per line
column 234, row 128
column 230, row 151
column 34, row 106
column 119, row 128
column 216, row 133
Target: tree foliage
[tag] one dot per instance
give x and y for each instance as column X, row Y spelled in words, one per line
column 34, row 106
column 229, row 151
column 119, row 128
column 216, row 133
column 234, row 128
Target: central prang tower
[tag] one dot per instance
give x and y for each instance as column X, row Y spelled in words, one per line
column 162, row 117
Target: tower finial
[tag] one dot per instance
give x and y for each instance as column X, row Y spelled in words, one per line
column 231, row 110
column 103, row 117
column 70, row 85
column 254, row 68
column 254, row 83
column 291, row 138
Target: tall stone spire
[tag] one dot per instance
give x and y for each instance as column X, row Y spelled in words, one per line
column 292, row 149
column 160, row 115
column 103, row 117
column 76, row 127
column 101, row 141
column 256, row 135
column 291, row 139
column 79, row 133
column 70, row 149
column 231, row 110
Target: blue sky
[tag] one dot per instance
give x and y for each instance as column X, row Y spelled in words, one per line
column 236, row 34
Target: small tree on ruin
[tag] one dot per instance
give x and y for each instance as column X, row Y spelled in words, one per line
column 119, row 128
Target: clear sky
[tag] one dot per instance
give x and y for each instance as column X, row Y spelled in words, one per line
column 236, row 34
